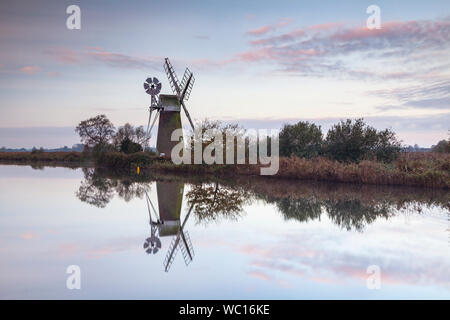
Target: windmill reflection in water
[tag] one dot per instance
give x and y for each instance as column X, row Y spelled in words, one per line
column 166, row 222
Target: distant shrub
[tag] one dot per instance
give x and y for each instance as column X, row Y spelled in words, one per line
column 442, row 146
column 37, row 151
column 127, row 146
column 303, row 139
column 101, row 148
column 353, row 141
column 122, row 160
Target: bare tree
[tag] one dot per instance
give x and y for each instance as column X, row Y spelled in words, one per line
column 131, row 133
column 95, row 131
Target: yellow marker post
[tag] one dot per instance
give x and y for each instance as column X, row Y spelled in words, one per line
column 137, row 170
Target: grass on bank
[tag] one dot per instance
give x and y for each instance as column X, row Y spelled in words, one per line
column 425, row 169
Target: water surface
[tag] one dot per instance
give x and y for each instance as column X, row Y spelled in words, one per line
column 227, row 239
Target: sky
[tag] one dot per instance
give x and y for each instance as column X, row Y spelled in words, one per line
column 258, row 63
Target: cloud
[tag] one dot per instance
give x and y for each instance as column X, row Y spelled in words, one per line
column 65, row 55
column 430, row 95
column 259, row 274
column 410, row 49
column 267, row 28
column 123, row 60
column 440, row 103
column 29, row 236
column 260, row 30
column 201, row 37
column 420, row 123
column 30, row 69
column 53, row 74
column 93, row 55
column 339, row 264
column 326, row 48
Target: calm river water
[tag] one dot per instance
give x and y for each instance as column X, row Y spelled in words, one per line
column 169, row 237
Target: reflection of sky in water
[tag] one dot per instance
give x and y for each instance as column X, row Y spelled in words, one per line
column 44, row 228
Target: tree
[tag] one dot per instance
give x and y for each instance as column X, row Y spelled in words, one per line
column 303, row 139
column 127, row 146
column 352, row 141
column 129, row 139
column 96, row 131
column 442, row 146
column 207, row 130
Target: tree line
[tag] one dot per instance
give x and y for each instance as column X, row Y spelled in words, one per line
column 99, row 135
column 347, row 141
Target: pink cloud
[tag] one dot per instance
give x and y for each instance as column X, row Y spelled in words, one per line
column 29, row 236
column 265, row 29
column 326, row 26
column 286, row 37
column 68, row 249
column 94, row 54
column 255, row 55
column 53, row 74
column 259, row 31
column 65, row 55
column 260, row 275
column 30, row 69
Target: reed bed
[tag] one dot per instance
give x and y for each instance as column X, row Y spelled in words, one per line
column 427, row 169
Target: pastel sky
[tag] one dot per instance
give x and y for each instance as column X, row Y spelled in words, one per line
column 258, row 63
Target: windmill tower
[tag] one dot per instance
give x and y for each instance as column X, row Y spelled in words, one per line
column 168, row 107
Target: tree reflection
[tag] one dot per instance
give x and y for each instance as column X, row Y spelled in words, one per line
column 96, row 189
column 352, row 207
column 352, row 214
column 299, row 209
column 212, row 202
column 127, row 189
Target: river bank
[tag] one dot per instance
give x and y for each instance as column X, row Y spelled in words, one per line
column 429, row 170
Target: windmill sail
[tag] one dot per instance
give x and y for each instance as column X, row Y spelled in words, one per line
column 171, row 253
column 186, row 84
column 185, row 244
column 172, row 76
column 187, row 249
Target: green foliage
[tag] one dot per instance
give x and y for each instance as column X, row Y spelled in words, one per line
column 442, row 146
column 127, row 134
column 303, row 139
column 127, row 146
column 101, row 148
column 121, row 160
column 37, row 151
column 353, row 141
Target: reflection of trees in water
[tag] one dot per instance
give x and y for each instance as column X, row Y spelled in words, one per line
column 94, row 189
column 127, row 189
column 98, row 190
column 346, row 213
column 352, row 214
column 302, row 209
column 351, row 207
column 37, row 167
column 214, row 201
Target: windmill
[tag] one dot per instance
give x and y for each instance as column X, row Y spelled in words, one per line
column 168, row 107
column 167, row 222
